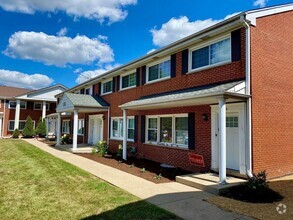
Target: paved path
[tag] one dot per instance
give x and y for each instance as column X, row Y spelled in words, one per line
column 184, row 201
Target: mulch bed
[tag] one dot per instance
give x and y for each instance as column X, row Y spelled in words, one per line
column 135, row 165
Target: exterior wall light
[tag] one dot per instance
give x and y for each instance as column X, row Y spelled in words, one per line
column 205, row 117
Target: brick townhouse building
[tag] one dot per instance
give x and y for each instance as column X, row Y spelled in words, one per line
column 223, row 94
column 16, row 104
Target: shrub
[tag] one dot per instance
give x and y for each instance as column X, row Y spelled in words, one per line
column 16, row 133
column 41, row 129
column 258, row 182
column 120, row 151
column 102, row 148
column 65, row 139
column 28, row 130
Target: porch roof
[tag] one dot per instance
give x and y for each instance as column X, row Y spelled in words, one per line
column 233, row 91
column 84, row 103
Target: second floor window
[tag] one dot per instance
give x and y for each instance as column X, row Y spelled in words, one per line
column 12, row 105
column 159, row 71
column 128, row 81
column 107, row 87
column 219, row 52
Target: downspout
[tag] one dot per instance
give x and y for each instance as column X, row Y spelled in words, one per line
column 108, row 130
column 248, row 103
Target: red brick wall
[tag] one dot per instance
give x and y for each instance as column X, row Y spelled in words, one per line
column 272, row 94
column 24, row 113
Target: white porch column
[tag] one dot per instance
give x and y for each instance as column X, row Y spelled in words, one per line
column 58, row 128
column 124, row 134
column 75, row 129
column 17, row 112
column 222, row 144
column 44, row 110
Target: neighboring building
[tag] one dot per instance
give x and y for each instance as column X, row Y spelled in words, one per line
column 224, row 93
column 16, row 104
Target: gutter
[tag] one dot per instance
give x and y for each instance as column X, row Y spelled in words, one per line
column 248, row 103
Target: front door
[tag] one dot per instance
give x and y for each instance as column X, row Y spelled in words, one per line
column 95, row 128
column 232, row 132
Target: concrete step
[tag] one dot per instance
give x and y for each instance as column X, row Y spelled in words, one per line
column 208, row 182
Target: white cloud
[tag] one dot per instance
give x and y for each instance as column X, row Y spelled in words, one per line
column 102, row 37
column 100, row 10
column 86, row 75
column 23, row 80
column 58, row 51
column 78, row 70
column 62, row 32
column 260, row 3
column 177, row 28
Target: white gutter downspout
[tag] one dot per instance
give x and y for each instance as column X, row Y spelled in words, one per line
column 248, row 103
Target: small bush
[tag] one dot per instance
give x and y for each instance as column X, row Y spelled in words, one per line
column 16, row 133
column 258, row 182
column 28, row 130
column 102, row 148
column 158, row 177
column 65, row 139
column 41, row 129
column 120, row 151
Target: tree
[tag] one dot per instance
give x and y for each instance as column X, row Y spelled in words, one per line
column 28, row 130
column 41, row 129
column 15, row 133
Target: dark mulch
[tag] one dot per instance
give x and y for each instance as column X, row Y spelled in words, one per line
column 243, row 193
column 135, row 165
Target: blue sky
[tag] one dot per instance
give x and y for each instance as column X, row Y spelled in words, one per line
column 43, row 43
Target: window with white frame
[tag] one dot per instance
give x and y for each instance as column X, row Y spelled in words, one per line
column 80, row 127
column 88, row 91
column 214, row 53
column 12, row 104
column 66, row 126
column 128, row 81
column 39, row 106
column 159, row 71
column 20, row 125
column 171, row 130
column 107, row 87
column 117, row 128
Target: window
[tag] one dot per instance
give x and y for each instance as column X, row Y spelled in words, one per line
column 128, row 81
column 117, row 128
column 80, row 127
column 215, row 53
column 232, row 122
column 20, row 125
column 107, row 87
column 168, row 130
column 12, row 104
column 159, row 71
column 88, row 91
column 39, row 106
column 66, row 126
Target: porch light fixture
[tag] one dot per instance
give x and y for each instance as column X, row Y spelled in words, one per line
column 205, row 117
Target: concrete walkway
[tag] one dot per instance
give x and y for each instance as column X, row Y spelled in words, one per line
column 186, row 202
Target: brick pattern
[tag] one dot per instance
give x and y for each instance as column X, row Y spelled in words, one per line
column 272, row 94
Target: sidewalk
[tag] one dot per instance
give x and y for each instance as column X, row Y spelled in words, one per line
column 186, row 202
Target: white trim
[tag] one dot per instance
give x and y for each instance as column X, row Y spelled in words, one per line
column 16, row 104
column 66, row 120
column 239, row 109
column 90, row 90
column 47, row 106
column 18, row 122
column 127, row 74
column 208, row 44
column 168, row 58
column 158, row 142
column 0, row 106
column 100, row 117
column 111, row 131
column 80, row 134
column 102, row 86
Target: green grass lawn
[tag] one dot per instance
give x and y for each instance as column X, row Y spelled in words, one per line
column 36, row 185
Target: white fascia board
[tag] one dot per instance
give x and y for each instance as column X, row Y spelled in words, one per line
column 253, row 15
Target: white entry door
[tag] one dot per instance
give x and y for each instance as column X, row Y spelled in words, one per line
column 95, row 129
column 232, row 126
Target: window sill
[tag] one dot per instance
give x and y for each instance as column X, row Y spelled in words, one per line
column 107, row 93
column 173, row 146
column 157, row 80
column 119, row 139
column 130, row 87
column 208, row 67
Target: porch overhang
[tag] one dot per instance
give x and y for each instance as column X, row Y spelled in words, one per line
column 203, row 95
column 82, row 103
